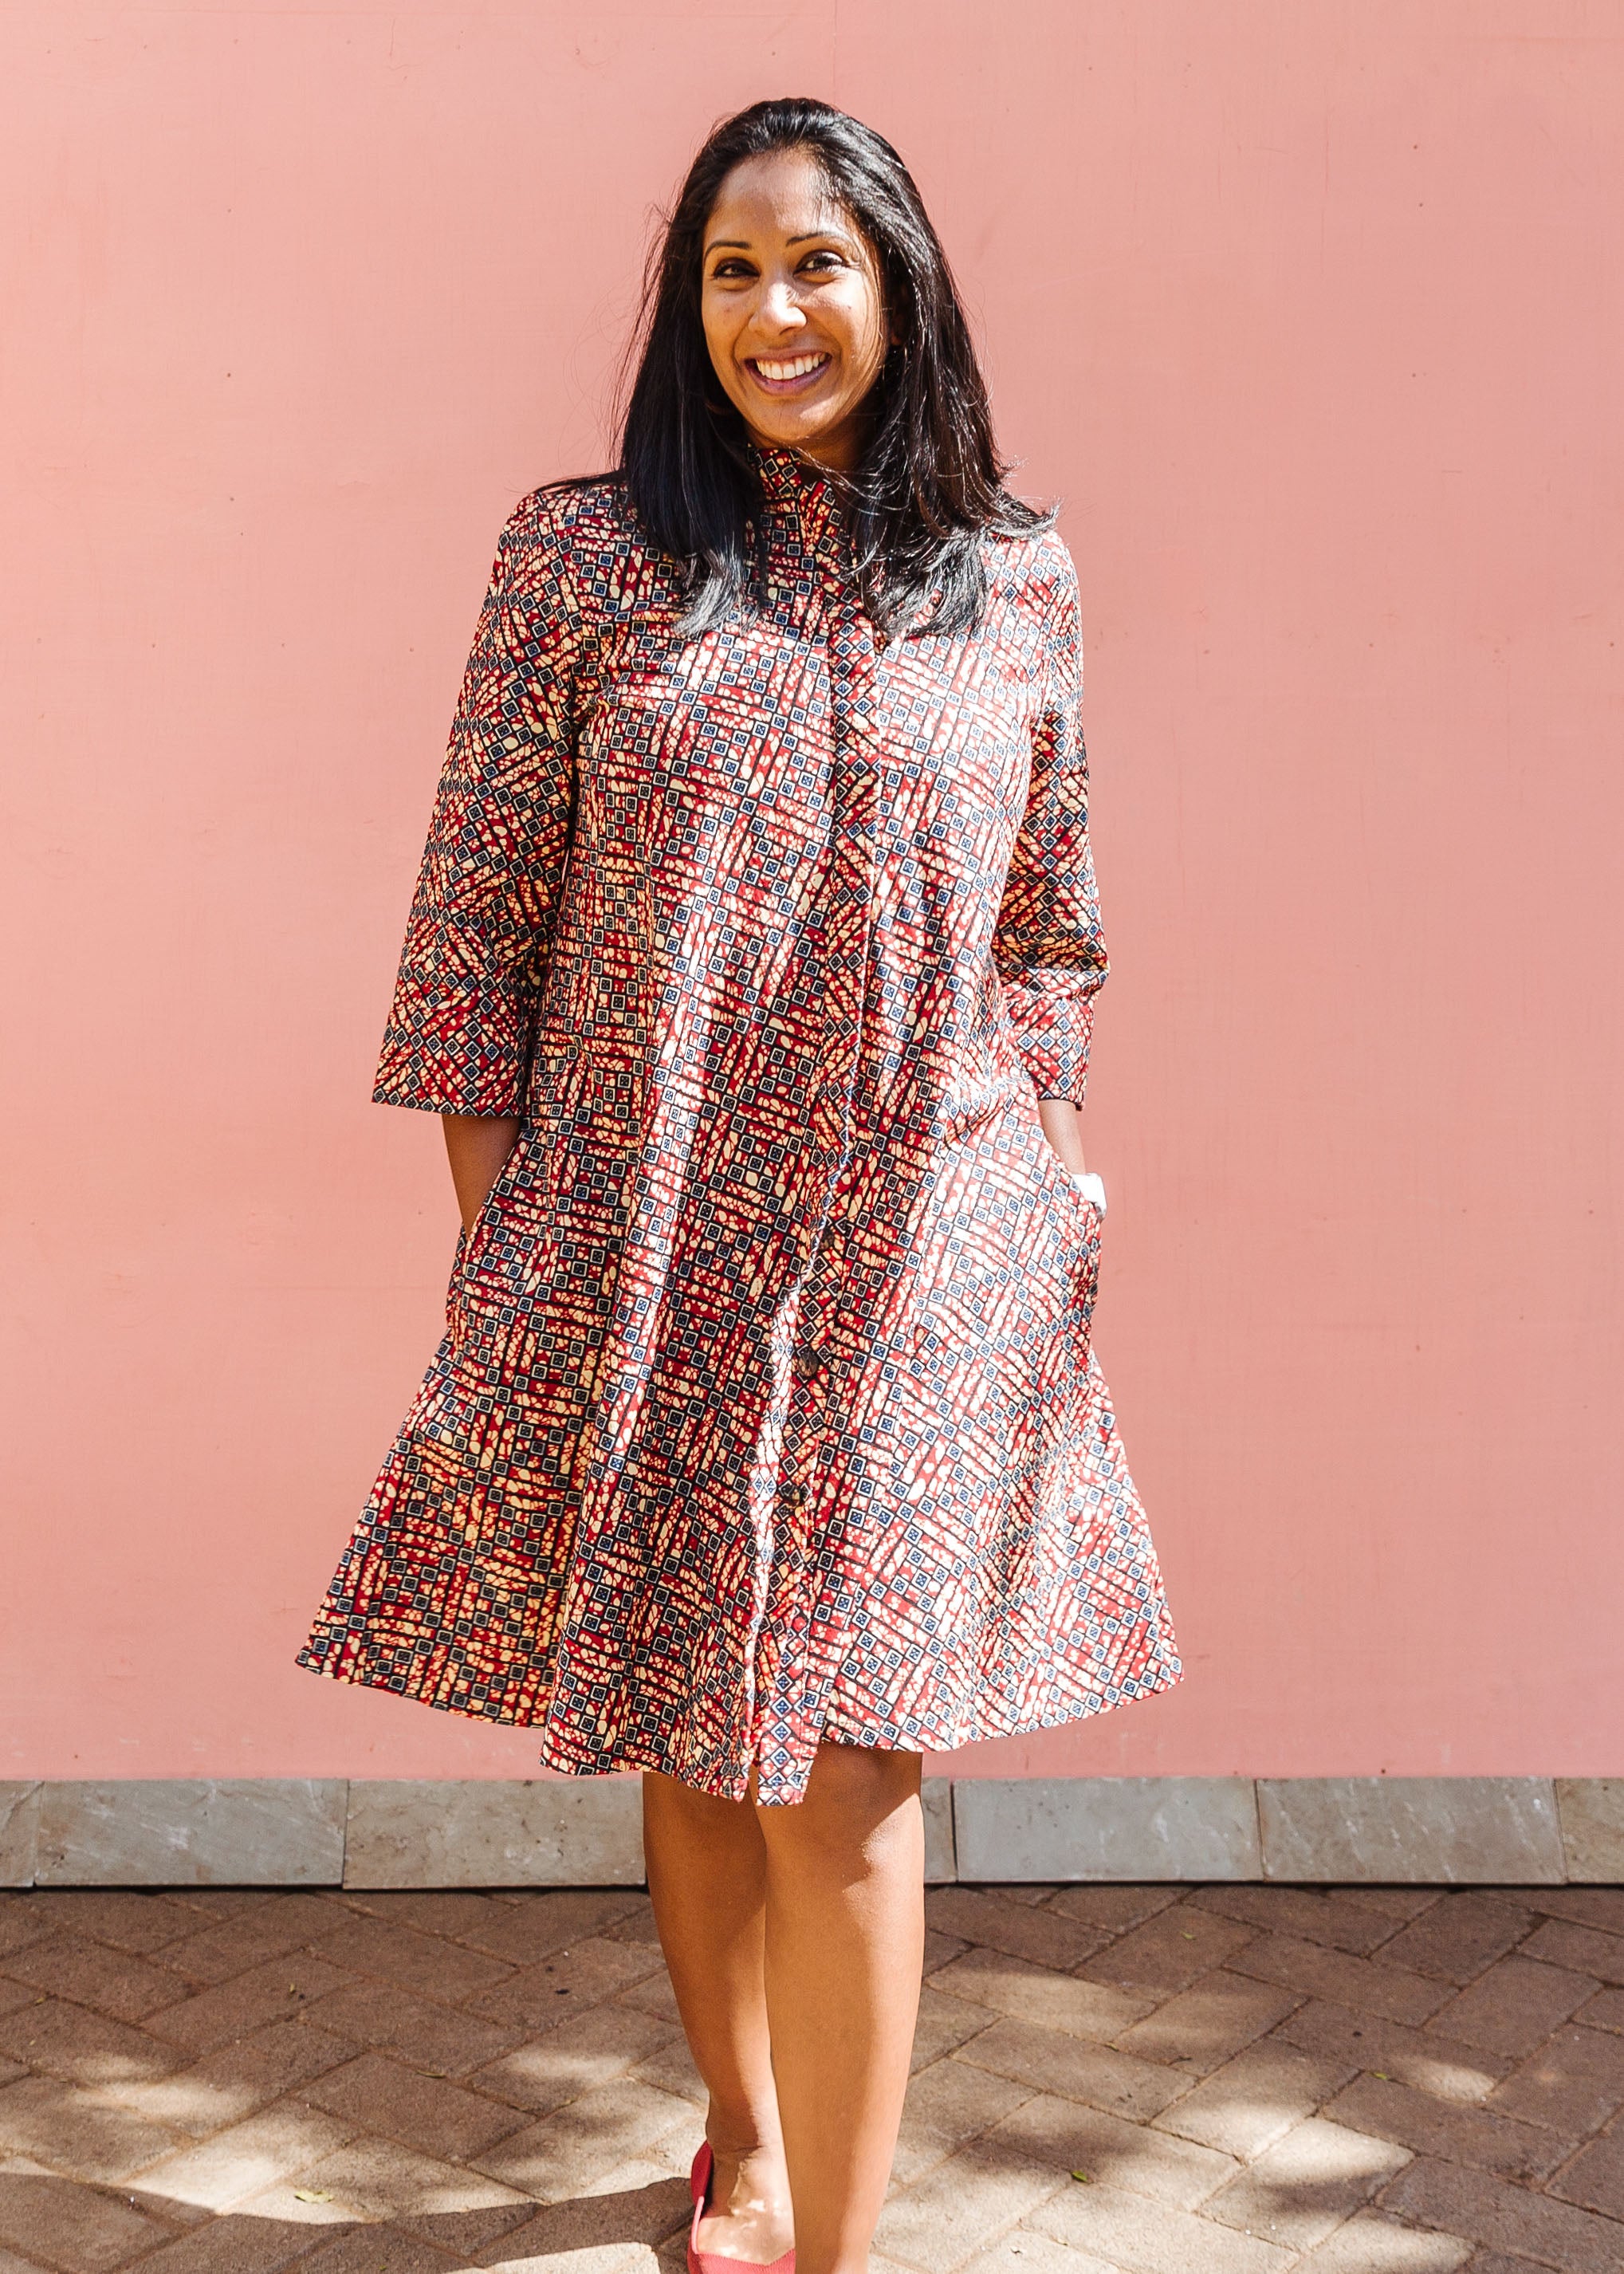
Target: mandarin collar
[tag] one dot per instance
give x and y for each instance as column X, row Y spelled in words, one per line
column 786, row 476
column 795, row 490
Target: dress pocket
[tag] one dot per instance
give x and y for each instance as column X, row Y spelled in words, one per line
column 501, row 1259
column 1084, row 1226
column 1093, row 1240
column 477, row 1234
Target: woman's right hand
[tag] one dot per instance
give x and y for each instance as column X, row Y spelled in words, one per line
column 476, row 1145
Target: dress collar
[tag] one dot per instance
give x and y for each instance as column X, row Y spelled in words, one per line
column 795, row 486
column 787, row 475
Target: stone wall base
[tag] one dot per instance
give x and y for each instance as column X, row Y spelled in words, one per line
column 330, row 1832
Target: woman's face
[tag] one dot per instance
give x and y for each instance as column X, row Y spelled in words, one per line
column 792, row 309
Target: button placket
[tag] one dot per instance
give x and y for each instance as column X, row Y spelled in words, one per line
column 787, row 1739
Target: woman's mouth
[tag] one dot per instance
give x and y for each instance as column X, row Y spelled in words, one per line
column 786, row 374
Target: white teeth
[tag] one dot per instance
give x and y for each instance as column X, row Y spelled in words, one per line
column 796, row 369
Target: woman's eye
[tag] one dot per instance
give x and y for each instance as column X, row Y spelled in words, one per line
column 815, row 261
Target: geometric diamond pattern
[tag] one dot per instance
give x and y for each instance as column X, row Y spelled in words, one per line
column 766, row 1411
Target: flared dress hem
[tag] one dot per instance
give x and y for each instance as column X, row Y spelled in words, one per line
column 633, row 1758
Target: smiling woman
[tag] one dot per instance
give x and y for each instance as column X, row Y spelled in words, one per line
column 752, row 967
column 799, row 232
column 794, row 309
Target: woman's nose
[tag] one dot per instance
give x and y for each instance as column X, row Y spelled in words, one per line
column 780, row 304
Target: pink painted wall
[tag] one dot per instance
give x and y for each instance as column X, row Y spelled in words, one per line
column 1311, row 313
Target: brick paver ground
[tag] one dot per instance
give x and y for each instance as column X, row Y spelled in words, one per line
column 1216, row 2080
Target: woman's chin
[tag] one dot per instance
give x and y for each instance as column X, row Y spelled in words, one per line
column 810, row 432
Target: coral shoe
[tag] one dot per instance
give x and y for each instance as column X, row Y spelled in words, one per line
column 709, row 2261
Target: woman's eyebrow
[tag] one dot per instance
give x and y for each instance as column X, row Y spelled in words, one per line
column 738, row 245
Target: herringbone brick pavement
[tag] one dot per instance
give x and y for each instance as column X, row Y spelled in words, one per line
column 1215, row 2080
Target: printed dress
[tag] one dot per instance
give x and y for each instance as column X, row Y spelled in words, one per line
column 766, row 1412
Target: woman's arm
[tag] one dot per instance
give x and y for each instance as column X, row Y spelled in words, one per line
column 476, row 1145
column 1062, row 1126
column 1048, row 947
column 482, row 919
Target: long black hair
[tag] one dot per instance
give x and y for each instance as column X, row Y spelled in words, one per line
column 931, row 481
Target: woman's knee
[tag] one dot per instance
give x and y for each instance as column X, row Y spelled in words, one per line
column 864, row 1776
column 694, row 1814
column 859, row 1802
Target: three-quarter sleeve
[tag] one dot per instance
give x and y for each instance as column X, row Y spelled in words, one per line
column 1048, row 947
column 458, row 1039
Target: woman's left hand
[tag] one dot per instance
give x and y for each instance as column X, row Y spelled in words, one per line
column 1062, row 1126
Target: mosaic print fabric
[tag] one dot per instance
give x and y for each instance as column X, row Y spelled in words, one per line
column 766, row 1410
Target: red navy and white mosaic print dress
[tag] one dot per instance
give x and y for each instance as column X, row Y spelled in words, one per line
column 766, row 1412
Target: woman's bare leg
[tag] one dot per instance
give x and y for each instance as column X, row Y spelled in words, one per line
column 707, row 1866
column 794, row 1938
column 844, row 1946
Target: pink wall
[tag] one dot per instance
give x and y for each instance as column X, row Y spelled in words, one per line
column 1311, row 313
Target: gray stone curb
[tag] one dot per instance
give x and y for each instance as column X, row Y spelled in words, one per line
column 183, row 1832
column 556, row 1832
column 1131, row 1828
column 1453, row 1831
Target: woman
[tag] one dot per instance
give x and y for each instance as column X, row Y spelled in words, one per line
column 751, row 966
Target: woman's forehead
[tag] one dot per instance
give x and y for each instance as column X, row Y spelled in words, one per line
column 782, row 193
